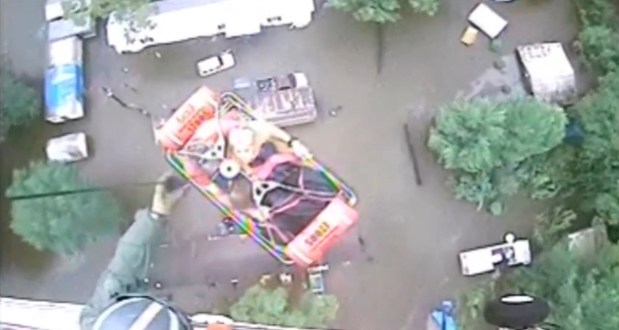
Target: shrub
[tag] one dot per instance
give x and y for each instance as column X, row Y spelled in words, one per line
column 598, row 39
column 136, row 12
column 428, row 7
column 19, row 103
column 600, row 47
column 268, row 306
column 596, row 163
column 491, row 147
column 582, row 292
column 382, row 11
column 63, row 224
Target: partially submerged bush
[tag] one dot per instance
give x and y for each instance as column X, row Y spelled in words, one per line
column 63, row 224
column 595, row 168
column 19, row 103
column 428, row 7
column 382, row 11
column 136, row 12
column 271, row 306
column 598, row 39
column 488, row 145
column 600, row 47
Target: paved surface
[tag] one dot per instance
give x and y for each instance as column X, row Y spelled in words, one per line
column 413, row 232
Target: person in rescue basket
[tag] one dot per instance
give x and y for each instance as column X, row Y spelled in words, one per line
column 120, row 301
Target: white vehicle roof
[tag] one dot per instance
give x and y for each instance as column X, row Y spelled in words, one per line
column 487, row 20
column 65, row 51
column 482, row 260
column 210, row 63
column 178, row 20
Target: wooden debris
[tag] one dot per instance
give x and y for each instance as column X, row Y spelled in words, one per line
column 469, row 36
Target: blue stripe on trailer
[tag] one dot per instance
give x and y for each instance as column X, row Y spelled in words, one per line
column 63, row 84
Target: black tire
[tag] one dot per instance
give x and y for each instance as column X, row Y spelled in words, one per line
column 516, row 315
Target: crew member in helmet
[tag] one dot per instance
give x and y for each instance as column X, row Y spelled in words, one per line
column 119, row 301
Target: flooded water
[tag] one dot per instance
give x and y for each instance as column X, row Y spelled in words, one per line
column 412, row 232
column 22, row 36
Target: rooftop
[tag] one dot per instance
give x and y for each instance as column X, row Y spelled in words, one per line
column 549, row 72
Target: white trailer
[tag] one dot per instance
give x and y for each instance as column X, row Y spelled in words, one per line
column 512, row 252
column 64, row 81
column 177, row 20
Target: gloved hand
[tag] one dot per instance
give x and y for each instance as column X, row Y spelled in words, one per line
column 167, row 192
column 300, row 150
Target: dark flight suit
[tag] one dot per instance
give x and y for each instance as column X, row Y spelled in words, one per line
column 128, row 268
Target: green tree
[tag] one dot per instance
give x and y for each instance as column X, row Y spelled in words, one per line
column 587, row 174
column 600, row 12
column 469, row 135
column 596, row 163
column 491, row 147
column 19, row 103
column 598, row 38
column 63, row 224
column 136, row 12
column 600, row 47
column 428, row 7
column 263, row 305
column 471, row 304
column 553, row 225
column 382, row 11
column 548, row 175
column 479, row 135
column 582, row 292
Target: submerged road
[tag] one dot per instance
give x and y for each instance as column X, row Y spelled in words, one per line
column 413, row 233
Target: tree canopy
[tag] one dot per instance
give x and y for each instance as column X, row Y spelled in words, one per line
column 596, row 164
column 581, row 289
column 493, row 147
column 19, row 103
column 598, row 38
column 481, row 134
column 264, row 305
column 62, row 224
column 382, row 11
column 134, row 11
column 583, row 293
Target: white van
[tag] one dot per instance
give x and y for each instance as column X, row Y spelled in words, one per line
column 178, row 20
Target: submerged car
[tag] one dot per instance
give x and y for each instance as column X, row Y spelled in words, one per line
column 214, row 64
